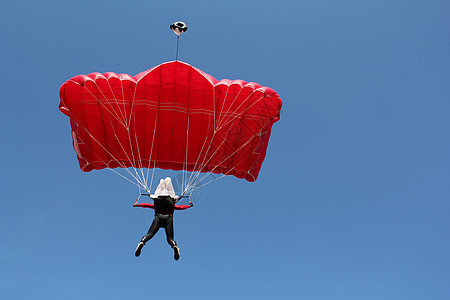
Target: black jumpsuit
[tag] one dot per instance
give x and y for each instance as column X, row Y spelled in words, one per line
column 164, row 207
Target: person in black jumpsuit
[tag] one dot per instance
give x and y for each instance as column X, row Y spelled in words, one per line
column 164, row 206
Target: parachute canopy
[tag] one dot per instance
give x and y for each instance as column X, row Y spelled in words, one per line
column 173, row 116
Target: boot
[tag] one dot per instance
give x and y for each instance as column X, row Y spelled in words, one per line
column 176, row 252
column 138, row 249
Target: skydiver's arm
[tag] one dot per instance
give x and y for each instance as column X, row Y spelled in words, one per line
column 183, row 207
column 147, row 205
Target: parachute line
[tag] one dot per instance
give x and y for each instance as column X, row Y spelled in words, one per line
column 178, row 42
column 136, row 176
column 195, row 176
column 230, row 119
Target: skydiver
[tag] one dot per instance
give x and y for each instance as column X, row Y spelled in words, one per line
column 164, row 205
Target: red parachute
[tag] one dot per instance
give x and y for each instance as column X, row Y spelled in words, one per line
column 173, row 116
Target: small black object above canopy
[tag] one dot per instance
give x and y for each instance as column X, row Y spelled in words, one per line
column 178, row 27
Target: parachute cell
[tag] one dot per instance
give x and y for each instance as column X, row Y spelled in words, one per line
column 173, row 116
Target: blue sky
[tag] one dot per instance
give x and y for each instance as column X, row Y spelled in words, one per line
column 352, row 201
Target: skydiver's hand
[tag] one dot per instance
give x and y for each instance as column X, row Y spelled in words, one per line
column 190, row 204
column 136, row 203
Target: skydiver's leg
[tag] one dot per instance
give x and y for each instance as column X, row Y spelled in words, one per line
column 169, row 232
column 151, row 232
column 170, row 240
